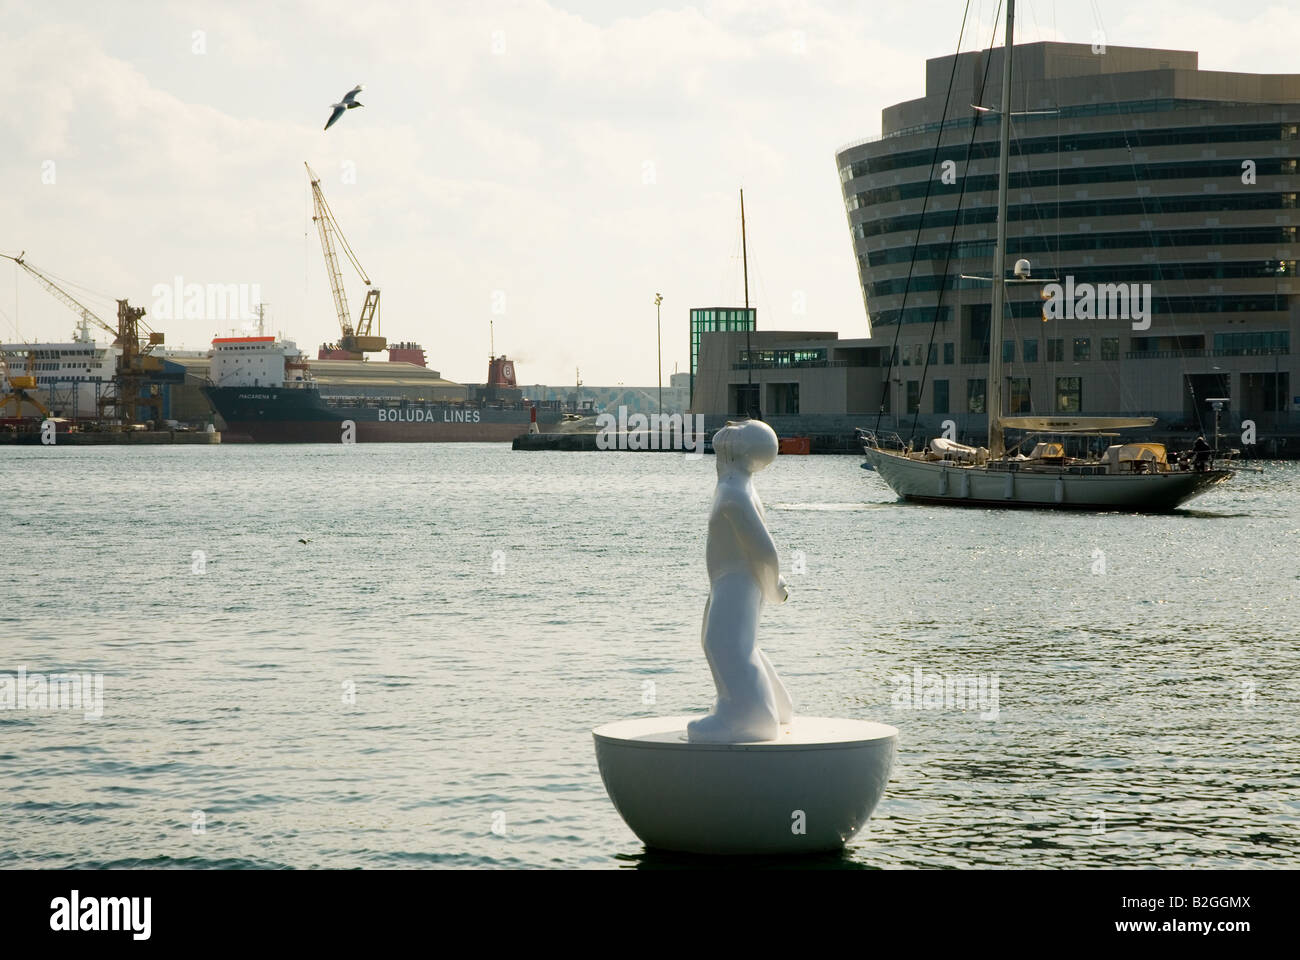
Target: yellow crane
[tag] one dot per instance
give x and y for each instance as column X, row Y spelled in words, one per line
column 354, row 341
column 135, row 367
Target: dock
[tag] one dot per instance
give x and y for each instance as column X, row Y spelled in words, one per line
column 105, row 437
column 587, row 442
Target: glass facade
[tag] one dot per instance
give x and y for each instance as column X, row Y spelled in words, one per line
column 1125, row 139
column 1134, row 273
column 1126, row 240
column 1078, row 209
column 1193, row 202
column 713, row 320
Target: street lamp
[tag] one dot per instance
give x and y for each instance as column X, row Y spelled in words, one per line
column 659, row 331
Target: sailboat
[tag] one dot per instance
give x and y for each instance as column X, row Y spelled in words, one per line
column 1131, row 477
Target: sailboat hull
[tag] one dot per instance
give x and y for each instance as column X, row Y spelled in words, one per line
column 949, row 484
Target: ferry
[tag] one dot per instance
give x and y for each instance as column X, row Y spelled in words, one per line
column 71, row 376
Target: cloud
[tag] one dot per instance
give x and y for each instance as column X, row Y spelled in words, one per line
column 578, row 161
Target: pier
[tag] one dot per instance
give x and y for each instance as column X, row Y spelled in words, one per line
column 122, row 437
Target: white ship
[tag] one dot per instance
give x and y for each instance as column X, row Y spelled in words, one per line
column 1132, row 476
column 71, row 376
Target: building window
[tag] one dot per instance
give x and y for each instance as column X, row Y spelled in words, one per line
column 1020, row 395
column 1263, row 343
column 1069, row 394
column 975, row 392
column 933, row 356
column 941, row 396
column 914, row 396
column 783, row 399
column 783, row 358
column 746, row 399
column 1055, row 351
column 949, row 351
column 1031, row 351
column 1110, row 348
column 1082, row 348
column 1008, row 351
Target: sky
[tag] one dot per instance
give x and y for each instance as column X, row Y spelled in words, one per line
column 544, row 166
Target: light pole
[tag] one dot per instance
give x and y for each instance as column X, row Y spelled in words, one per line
column 659, row 331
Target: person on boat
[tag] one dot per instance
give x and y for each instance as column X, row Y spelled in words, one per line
column 1202, row 451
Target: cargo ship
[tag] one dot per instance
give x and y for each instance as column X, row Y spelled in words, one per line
column 265, row 391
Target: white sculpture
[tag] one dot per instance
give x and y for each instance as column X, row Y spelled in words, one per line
column 744, row 571
column 731, row 782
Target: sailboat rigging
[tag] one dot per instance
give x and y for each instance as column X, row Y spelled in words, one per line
column 752, row 410
column 1127, row 476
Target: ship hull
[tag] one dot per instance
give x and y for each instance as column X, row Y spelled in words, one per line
column 276, row 415
column 948, row 484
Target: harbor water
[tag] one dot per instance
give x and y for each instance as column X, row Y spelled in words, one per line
column 416, row 684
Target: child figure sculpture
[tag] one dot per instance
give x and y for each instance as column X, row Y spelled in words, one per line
column 744, row 571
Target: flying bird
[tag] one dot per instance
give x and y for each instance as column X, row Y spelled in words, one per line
column 347, row 103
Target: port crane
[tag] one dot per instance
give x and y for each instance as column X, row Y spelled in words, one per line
column 134, row 378
column 18, row 385
column 358, row 341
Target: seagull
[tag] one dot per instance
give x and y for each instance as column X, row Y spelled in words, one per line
column 347, row 103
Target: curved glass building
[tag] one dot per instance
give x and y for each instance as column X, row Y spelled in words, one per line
column 1160, row 199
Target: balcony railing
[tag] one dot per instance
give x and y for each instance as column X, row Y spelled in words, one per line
column 802, row 364
column 1183, row 354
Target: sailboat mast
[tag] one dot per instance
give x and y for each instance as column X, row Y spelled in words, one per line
column 749, row 354
column 994, row 399
column 744, row 255
column 744, row 249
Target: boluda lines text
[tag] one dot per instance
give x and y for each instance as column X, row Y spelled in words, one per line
column 421, row 415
